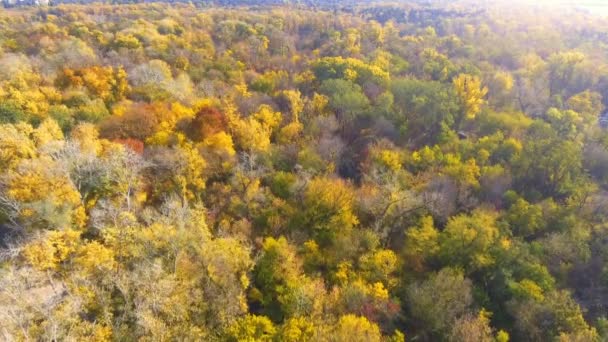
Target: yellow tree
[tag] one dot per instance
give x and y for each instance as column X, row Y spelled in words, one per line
column 254, row 132
column 36, row 190
column 86, row 136
column 421, row 243
column 329, row 207
column 290, row 132
column 15, row 145
column 472, row 242
column 354, row 328
column 471, row 95
column 251, row 328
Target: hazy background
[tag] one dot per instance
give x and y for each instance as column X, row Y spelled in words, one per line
column 599, row 7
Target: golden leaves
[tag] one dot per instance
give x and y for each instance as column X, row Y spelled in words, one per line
column 471, row 94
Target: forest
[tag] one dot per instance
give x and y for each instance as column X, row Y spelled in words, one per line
column 382, row 171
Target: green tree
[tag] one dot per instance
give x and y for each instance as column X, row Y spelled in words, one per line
column 436, row 303
column 426, row 108
column 346, row 98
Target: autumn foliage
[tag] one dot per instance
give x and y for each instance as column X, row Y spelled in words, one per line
column 330, row 171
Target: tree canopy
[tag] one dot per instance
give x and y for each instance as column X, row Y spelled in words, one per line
column 303, row 171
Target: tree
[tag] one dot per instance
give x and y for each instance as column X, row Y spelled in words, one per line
column 525, row 219
column 566, row 123
column 470, row 328
column 127, row 41
column 227, row 263
column 427, row 107
column 206, row 122
column 139, row 122
column 10, row 113
column 297, row 329
column 380, row 266
column 155, row 72
column 353, row 328
column 328, row 209
column 435, row 65
column 436, row 303
column 251, row 328
column 37, row 308
column 104, row 82
column 549, row 166
column 39, row 195
column 295, row 103
column 471, row 95
column 557, row 315
column 254, row 133
column 346, row 98
column 349, row 68
column 15, row 144
column 302, row 173
column 561, row 70
column 588, row 104
column 501, row 88
column 471, row 241
column 421, row 243
column 277, row 270
column 180, row 170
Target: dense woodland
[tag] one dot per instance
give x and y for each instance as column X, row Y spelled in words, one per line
column 388, row 172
